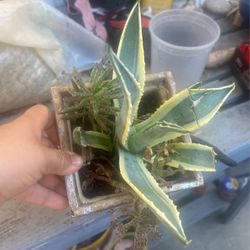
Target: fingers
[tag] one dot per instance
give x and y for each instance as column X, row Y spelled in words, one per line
column 47, row 143
column 42, row 119
column 51, row 130
column 52, row 134
column 60, row 162
column 54, row 183
column 40, row 116
column 42, row 196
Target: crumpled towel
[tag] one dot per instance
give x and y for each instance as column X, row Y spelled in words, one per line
column 63, row 44
column 40, row 47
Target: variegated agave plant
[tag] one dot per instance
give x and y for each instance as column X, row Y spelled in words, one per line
column 183, row 113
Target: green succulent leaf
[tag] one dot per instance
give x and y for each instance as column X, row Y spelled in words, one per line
column 92, row 139
column 132, row 95
column 191, row 157
column 153, row 135
column 129, row 66
column 145, row 186
column 188, row 110
column 191, row 108
column 130, row 50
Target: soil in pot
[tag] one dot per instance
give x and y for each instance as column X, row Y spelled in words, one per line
column 95, row 178
column 100, row 167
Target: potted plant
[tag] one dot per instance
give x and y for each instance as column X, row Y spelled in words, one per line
column 127, row 145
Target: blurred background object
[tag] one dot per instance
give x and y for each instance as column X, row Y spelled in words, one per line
column 244, row 11
column 157, row 5
column 241, row 64
column 219, row 57
column 220, row 7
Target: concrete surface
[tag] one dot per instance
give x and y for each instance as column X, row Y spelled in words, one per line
column 210, row 234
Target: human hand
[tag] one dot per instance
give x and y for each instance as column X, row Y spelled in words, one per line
column 30, row 165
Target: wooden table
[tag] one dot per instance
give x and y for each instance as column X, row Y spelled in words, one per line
column 26, row 226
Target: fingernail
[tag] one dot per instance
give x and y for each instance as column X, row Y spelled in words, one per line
column 76, row 160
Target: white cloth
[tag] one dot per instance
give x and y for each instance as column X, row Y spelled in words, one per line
column 63, row 44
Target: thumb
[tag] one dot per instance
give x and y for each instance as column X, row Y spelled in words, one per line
column 60, row 162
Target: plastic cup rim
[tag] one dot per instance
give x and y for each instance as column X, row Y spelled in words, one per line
column 189, row 48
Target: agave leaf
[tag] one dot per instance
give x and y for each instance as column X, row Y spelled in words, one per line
column 197, row 85
column 132, row 95
column 191, row 157
column 130, row 50
column 145, row 186
column 130, row 68
column 92, row 138
column 191, row 108
column 153, row 135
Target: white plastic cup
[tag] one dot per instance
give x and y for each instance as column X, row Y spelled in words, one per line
column 180, row 42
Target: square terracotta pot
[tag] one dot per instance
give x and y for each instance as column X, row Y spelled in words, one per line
column 161, row 87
